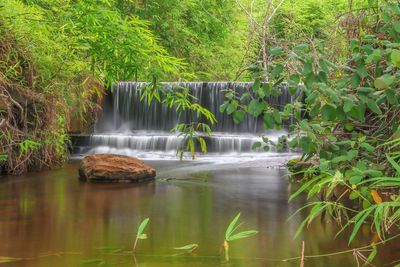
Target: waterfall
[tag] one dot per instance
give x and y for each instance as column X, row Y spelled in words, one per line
column 132, row 125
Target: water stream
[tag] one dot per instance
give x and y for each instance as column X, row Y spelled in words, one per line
column 50, row 218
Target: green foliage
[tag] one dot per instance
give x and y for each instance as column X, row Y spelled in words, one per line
column 28, row 145
column 188, row 248
column 209, row 34
column 140, row 235
column 60, row 72
column 180, row 99
column 230, row 233
column 346, row 121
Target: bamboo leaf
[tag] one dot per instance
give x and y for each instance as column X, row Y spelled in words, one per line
column 141, row 228
column 231, row 226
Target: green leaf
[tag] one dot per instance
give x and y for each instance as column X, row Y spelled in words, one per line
column 348, row 105
column 310, row 99
column 231, row 226
column 267, row 89
column 358, row 112
column 395, row 58
column 268, row 121
column 300, row 48
column 359, row 219
column 277, row 116
column 396, row 26
column 223, row 107
column 238, row 116
column 276, row 72
column 383, row 82
column 256, row 85
column 373, row 253
column 188, row 247
column 355, row 179
column 328, row 112
column 255, row 107
column 395, row 165
column 141, row 228
column 243, row 234
column 276, row 51
column 368, row 147
column 374, row 107
column 256, row 145
column 231, row 108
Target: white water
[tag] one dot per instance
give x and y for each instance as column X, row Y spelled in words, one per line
column 132, row 127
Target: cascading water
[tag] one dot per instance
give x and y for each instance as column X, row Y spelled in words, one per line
column 132, row 126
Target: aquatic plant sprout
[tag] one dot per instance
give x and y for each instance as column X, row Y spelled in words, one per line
column 140, row 233
column 188, row 248
column 231, row 234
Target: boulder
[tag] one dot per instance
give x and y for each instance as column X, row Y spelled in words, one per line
column 111, row 168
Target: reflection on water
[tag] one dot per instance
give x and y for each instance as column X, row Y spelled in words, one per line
column 52, row 219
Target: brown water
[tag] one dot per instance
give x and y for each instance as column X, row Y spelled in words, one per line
column 51, row 219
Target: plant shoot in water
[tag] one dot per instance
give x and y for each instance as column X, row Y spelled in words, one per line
column 231, row 234
column 188, row 248
column 140, row 233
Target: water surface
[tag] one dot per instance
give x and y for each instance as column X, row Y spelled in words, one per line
column 51, row 219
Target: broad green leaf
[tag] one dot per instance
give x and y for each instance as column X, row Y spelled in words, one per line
column 223, row 107
column 328, row 112
column 348, row 105
column 277, row 116
column 267, row 89
column 374, row 107
column 142, row 226
column 396, row 26
column 256, row 145
column 383, row 82
column 256, row 85
column 268, row 121
column 310, row 99
column 300, row 48
column 231, row 107
column 276, row 51
column 276, row 72
column 355, row 179
column 395, row 58
column 255, row 107
column 238, row 116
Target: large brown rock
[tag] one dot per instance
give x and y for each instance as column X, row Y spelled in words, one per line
column 114, row 168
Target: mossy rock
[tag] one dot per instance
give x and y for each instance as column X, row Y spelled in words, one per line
column 297, row 165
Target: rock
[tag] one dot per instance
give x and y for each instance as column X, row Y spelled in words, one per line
column 298, row 166
column 111, row 168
